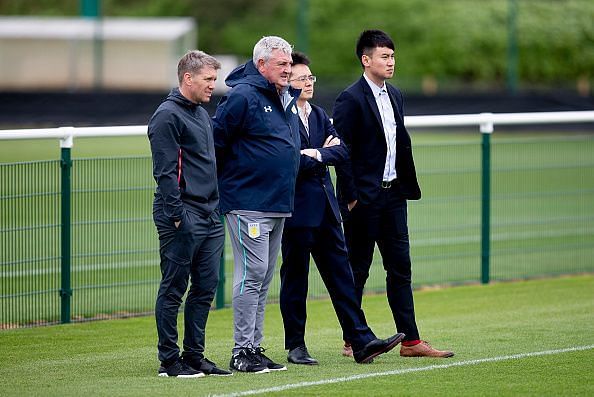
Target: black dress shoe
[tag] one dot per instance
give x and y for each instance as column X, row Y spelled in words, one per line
column 376, row 347
column 300, row 355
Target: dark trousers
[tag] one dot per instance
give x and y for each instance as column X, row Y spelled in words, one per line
column 327, row 247
column 384, row 222
column 190, row 252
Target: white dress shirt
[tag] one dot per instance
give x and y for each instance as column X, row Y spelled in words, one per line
column 386, row 112
column 304, row 116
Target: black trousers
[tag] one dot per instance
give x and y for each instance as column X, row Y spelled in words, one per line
column 327, row 247
column 384, row 222
column 190, row 252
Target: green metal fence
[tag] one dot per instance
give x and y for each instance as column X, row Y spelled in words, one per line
column 30, row 243
column 104, row 261
column 108, row 263
column 114, row 249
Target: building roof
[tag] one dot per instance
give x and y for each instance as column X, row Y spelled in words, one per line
column 153, row 29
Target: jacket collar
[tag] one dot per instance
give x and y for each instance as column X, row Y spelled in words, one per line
column 248, row 74
column 176, row 96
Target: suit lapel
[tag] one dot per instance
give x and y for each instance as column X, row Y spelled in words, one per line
column 314, row 140
column 371, row 100
column 397, row 114
column 304, row 134
column 402, row 137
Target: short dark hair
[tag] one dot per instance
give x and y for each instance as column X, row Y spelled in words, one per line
column 299, row 58
column 371, row 39
column 193, row 61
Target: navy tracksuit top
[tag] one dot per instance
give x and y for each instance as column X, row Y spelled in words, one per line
column 257, row 144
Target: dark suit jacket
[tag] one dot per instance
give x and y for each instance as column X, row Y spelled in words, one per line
column 314, row 189
column 357, row 119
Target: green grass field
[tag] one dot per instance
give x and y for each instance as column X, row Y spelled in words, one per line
column 510, row 339
column 542, row 219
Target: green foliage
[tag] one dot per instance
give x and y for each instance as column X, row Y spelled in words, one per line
column 450, row 40
column 557, row 40
column 39, row 7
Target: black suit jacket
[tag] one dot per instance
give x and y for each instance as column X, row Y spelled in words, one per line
column 314, row 189
column 357, row 119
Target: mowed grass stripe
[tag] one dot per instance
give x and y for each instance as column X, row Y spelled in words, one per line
column 405, row 371
column 118, row 357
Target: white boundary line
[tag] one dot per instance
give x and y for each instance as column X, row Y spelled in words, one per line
column 404, row 371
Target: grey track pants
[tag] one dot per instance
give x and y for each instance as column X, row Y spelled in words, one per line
column 256, row 242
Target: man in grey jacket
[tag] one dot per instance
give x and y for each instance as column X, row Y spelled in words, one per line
column 185, row 212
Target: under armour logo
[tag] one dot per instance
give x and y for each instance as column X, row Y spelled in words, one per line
column 268, row 109
column 238, row 364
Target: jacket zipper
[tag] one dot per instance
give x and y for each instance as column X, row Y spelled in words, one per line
column 179, row 167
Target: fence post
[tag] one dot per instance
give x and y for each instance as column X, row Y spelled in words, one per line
column 486, row 129
column 220, row 299
column 65, row 193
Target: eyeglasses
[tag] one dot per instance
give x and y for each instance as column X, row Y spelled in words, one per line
column 303, row 79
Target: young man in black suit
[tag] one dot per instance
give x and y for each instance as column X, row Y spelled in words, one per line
column 314, row 228
column 375, row 183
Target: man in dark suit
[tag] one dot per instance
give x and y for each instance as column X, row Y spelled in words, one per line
column 375, row 183
column 314, row 228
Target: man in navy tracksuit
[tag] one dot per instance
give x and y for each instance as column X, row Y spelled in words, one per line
column 191, row 235
column 315, row 228
column 256, row 135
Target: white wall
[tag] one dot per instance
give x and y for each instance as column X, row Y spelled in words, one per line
column 62, row 53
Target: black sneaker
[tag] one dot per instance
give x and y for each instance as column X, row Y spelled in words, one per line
column 179, row 369
column 246, row 361
column 271, row 365
column 206, row 366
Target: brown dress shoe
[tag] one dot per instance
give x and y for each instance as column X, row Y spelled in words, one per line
column 347, row 350
column 423, row 349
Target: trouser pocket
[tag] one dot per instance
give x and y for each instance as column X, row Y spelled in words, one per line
column 180, row 248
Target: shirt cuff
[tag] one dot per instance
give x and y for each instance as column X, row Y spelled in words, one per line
column 318, row 156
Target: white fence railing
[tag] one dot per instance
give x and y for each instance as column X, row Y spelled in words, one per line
column 66, row 136
column 486, row 122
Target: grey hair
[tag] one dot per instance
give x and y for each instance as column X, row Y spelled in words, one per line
column 263, row 48
column 193, row 61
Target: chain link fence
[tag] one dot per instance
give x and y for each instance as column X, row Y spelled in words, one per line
column 541, row 207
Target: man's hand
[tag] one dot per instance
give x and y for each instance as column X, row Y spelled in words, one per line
column 351, row 205
column 331, row 141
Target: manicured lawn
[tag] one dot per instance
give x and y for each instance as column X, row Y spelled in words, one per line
column 485, row 325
